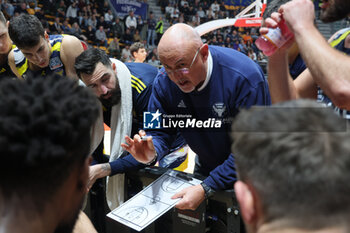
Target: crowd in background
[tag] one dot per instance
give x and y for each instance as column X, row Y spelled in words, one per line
column 95, row 23
column 195, row 12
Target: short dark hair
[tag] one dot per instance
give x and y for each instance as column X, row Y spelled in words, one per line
column 86, row 62
column 273, row 6
column 135, row 47
column 45, row 126
column 296, row 156
column 26, row 30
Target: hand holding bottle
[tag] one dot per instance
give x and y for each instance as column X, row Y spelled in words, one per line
column 275, row 36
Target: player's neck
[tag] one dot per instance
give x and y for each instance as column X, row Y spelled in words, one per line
column 18, row 216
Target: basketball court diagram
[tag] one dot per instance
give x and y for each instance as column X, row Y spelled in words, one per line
column 152, row 202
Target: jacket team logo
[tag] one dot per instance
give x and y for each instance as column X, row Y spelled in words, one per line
column 152, row 120
column 219, row 109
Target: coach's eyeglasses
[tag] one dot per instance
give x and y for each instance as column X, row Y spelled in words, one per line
column 183, row 70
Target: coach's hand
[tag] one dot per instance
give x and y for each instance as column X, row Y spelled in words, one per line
column 142, row 150
column 191, row 196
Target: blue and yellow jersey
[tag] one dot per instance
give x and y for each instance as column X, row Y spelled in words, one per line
column 338, row 43
column 56, row 65
column 5, row 70
column 142, row 76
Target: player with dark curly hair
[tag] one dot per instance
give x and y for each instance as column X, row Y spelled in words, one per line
column 45, row 127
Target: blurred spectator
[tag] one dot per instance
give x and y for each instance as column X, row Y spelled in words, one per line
column 65, row 27
column 21, row 8
column 102, row 23
column 210, row 13
column 234, row 35
column 221, row 14
column 196, row 20
column 154, row 52
column 40, row 14
column 94, row 12
column 109, row 17
column 215, row 6
column 140, row 23
column 93, row 22
column 254, row 33
column 201, row 13
column 175, row 14
column 205, row 5
column 128, row 37
column 90, row 34
column 159, row 29
column 77, row 32
column 7, row 8
column 154, row 61
column 61, row 9
column 101, row 37
column 83, row 20
column 222, row 6
column 114, row 49
column 228, row 42
column 105, row 6
column 137, row 37
column 251, row 54
column 151, row 32
column 183, row 3
column 247, row 37
column 72, row 12
column 261, row 57
column 242, row 46
column 131, row 21
column 49, row 7
column 81, row 4
column 56, row 26
column 126, row 55
column 168, row 10
column 117, row 28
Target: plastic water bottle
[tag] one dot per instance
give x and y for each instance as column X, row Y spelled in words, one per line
column 274, row 39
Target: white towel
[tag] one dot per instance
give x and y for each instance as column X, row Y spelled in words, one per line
column 121, row 123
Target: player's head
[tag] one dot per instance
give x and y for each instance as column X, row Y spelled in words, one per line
column 138, row 51
column 293, row 166
column 5, row 41
column 45, row 127
column 28, row 34
column 96, row 70
column 333, row 10
column 184, row 57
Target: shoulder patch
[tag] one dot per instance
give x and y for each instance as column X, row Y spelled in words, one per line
column 55, row 63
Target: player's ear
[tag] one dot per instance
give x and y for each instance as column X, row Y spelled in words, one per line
column 246, row 201
column 46, row 36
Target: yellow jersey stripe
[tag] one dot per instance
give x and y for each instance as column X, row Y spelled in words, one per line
column 137, row 89
column 139, row 81
column 56, row 47
column 23, row 68
column 342, row 37
column 138, row 85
